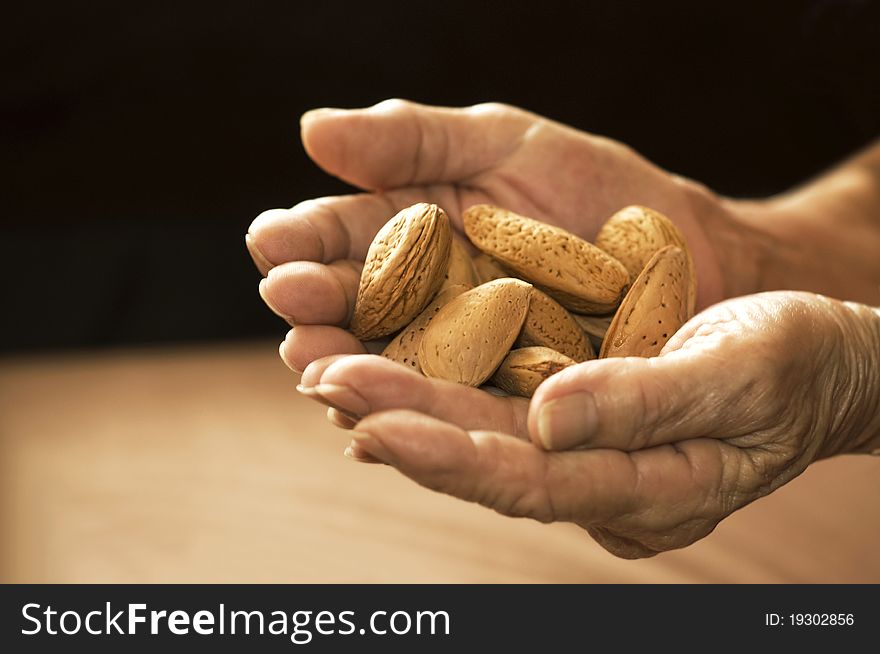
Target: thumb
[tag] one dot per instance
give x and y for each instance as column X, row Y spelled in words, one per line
column 633, row 403
column 398, row 143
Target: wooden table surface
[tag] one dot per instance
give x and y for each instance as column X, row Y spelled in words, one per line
column 203, row 464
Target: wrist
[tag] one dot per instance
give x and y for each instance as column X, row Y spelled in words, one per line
column 821, row 238
column 779, row 246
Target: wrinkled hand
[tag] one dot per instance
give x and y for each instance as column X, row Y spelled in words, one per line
column 405, row 153
column 645, row 454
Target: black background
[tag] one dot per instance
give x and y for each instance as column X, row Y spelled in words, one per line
column 140, row 139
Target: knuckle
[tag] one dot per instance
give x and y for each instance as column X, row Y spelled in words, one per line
column 652, row 406
column 494, row 108
column 618, row 149
column 508, row 488
column 305, row 206
column 356, row 369
column 394, row 105
column 532, row 503
column 735, row 486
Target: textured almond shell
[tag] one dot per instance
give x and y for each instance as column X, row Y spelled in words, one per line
column 404, row 269
column 404, row 348
column 548, row 324
column 577, row 274
column 461, row 268
column 471, row 334
column 653, row 310
column 594, row 327
column 524, row 369
column 487, row 268
column 635, row 233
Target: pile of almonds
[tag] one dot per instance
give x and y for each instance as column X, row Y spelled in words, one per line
column 535, row 300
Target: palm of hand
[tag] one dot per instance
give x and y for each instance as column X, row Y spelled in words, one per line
column 577, row 181
column 666, row 459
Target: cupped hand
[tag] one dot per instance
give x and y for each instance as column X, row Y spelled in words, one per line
column 646, row 454
column 403, row 153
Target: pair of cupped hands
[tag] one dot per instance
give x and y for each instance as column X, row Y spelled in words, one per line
column 645, row 454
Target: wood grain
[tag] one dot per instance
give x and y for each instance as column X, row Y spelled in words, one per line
column 205, row 465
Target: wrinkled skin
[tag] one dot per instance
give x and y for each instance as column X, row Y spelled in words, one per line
column 737, row 404
column 645, row 454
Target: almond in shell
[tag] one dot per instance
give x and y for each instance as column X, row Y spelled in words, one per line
column 577, row 274
column 655, row 307
column 594, row 327
column 487, row 268
column 635, row 233
column 524, row 369
column 469, row 337
column 404, row 348
column 404, row 269
column 548, row 324
column 461, row 268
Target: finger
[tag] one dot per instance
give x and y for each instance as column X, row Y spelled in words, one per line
column 338, row 416
column 633, row 403
column 654, row 490
column 260, row 260
column 398, row 143
column 363, row 385
column 305, row 292
column 339, row 419
column 356, row 453
column 271, row 304
column 306, row 343
column 506, row 474
column 331, row 228
column 625, row 548
column 315, row 369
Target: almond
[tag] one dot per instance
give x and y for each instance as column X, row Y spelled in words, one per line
column 655, row 307
column 594, row 327
column 461, row 268
column 487, row 268
column 635, row 233
column 404, row 348
column 523, row 370
column 550, row 325
column 470, row 336
column 404, row 269
column 577, row 274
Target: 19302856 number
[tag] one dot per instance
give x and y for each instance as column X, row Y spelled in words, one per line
column 821, row 619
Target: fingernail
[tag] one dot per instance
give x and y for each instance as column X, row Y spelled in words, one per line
column 308, row 391
column 338, row 398
column 364, row 442
column 355, row 453
column 339, row 419
column 263, row 284
column 568, row 421
column 263, row 264
column 344, row 398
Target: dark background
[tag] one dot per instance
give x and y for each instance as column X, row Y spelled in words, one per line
column 140, row 139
